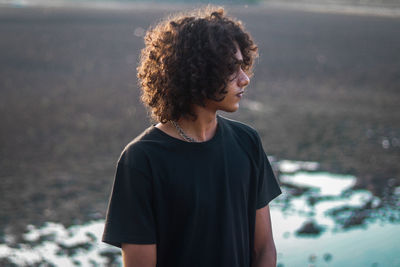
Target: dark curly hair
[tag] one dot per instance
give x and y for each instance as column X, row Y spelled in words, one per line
column 188, row 58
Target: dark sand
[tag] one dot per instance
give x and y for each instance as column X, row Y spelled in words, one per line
column 329, row 87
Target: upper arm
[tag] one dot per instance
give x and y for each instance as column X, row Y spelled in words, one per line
column 263, row 239
column 130, row 214
column 135, row 255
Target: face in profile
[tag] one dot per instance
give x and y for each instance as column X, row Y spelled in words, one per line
column 235, row 88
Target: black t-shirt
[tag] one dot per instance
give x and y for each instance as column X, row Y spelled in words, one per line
column 196, row 201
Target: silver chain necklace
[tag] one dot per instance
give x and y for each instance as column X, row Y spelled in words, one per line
column 182, row 133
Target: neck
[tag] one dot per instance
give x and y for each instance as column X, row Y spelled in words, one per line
column 203, row 128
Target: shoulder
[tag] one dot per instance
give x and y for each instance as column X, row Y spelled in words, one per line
column 135, row 153
column 242, row 131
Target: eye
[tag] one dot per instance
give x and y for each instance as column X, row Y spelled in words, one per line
column 240, row 65
column 244, row 66
column 233, row 76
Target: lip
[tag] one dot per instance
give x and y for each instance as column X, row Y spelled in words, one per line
column 240, row 94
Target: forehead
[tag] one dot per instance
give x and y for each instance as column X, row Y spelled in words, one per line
column 238, row 53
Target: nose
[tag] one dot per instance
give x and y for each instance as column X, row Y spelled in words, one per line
column 243, row 80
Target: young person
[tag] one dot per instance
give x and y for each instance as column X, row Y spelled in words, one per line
column 193, row 190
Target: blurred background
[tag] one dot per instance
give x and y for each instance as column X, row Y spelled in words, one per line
column 325, row 99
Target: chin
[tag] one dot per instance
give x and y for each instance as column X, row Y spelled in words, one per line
column 230, row 109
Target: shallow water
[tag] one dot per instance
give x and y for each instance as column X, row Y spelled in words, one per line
column 317, row 221
column 344, row 227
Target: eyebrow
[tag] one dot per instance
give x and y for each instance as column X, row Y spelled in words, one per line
column 239, row 61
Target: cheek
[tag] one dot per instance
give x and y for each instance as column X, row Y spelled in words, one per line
column 230, row 88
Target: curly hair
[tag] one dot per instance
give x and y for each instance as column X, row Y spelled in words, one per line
column 189, row 58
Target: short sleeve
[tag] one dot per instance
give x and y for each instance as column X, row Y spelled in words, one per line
column 130, row 217
column 268, row 186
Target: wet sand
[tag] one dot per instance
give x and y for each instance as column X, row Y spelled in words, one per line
column 325, row 89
